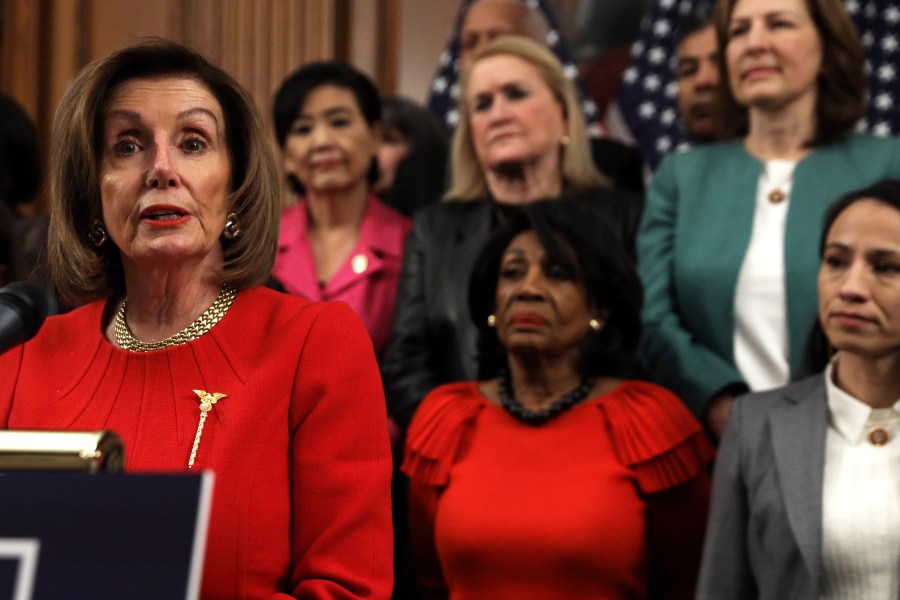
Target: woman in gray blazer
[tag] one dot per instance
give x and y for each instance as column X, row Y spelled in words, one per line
column 807, row 481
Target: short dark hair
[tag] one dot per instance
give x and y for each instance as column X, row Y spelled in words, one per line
column 886, row 191
column 577, row 237
column 842, row 82
column 84, row 272
column 695, row 22
column 296, row 88
column 421, row 130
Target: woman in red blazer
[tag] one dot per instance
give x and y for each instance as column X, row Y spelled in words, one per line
column 165, row 208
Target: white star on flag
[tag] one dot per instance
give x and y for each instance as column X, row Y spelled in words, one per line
column 884, row 101
column 651, row 83
column 657, row 55
column 647, row 110
column 637, row 48
column 672, row 89
column 882, row 129
column 662, row 28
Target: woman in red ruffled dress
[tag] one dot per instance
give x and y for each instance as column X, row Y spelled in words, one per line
column 554, row 477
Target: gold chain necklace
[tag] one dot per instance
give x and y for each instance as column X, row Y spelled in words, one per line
column 126, row 340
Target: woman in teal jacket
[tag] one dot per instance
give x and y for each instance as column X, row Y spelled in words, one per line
column 727, row 244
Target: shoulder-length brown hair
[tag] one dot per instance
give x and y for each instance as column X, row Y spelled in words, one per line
column 83, row 272
column 467, row 180
column 842, row 84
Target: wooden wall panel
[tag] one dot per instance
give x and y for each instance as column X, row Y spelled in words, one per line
column 261, row 42
column 21, row 26
column 45, row 42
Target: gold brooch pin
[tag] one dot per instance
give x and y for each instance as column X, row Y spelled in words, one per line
column 207, row 401
column 878, row 436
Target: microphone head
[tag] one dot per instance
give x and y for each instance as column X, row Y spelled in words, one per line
column 29, row 301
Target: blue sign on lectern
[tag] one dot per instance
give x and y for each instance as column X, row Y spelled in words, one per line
column 102, row 536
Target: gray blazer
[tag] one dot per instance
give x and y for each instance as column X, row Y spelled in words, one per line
column 764, row 538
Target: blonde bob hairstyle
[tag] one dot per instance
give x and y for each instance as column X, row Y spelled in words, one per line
column 467, row 178
column 83, row 272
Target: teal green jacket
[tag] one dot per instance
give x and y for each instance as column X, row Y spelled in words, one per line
column 691, row 244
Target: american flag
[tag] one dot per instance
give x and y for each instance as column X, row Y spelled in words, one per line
column 445, row 85
column 647, row 95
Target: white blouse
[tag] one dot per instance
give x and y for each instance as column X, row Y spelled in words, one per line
column 761, row 349
column 860, row 501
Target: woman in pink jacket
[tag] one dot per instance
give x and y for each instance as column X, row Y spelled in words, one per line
column 338, row 242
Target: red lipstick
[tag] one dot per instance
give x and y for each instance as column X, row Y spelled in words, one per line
column 527, row 319
column 164, row 216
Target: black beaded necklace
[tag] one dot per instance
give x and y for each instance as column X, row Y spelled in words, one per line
column 539, row 417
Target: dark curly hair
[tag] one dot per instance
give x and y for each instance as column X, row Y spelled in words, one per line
column 577, row 238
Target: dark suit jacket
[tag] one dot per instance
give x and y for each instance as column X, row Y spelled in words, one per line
column 433, row 340
column 620, row 162
column 764, row 538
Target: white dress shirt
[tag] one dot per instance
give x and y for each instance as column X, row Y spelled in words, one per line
column 860, row 501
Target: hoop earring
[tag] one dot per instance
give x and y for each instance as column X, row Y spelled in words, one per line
column 491, row 321
column 97, row 233
column 232, row 227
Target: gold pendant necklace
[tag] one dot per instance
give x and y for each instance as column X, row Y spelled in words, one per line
column 212, row 315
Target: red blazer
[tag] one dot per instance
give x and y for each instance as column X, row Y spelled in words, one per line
column 299, row 445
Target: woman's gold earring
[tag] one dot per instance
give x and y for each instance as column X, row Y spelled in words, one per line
column 565, row 140
column 97, row 233
column 232, row 227
column 594, row 324
column 491, row 320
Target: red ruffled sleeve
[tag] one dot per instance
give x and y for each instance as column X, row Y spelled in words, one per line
column 654, row 434
column 436, row 431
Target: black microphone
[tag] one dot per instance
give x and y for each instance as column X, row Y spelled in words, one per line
column 23, row 308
